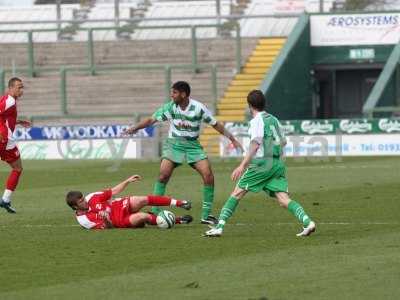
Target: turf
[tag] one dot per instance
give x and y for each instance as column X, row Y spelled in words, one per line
column 353, row 255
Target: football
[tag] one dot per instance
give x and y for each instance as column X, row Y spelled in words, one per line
column 165, row 219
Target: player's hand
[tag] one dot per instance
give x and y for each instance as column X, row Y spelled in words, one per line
column 129, row 131
column 238, row 146
column 134, row 178
column 25, row 124
column 237, row 173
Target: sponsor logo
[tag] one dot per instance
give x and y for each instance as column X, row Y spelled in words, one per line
column 312, row 127
column 387, row 125
column 355, row 126
column 288, row 128
column 76, row 132
column 366, row 21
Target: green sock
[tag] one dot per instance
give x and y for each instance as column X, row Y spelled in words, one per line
column 298, row 211
column 208, row 199
column 159, row 190
column 227, row 211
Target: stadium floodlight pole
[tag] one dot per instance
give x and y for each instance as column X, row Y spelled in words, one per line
column 321, row 6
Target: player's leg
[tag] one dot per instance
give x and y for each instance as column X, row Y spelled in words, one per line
column 203, row 167
column 15, row 163
column 139, row 219
column 166, row 169
column 138, row 202
column 296, row 210
column 227, row 211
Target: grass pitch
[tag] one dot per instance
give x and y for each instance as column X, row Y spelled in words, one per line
column 353, row 255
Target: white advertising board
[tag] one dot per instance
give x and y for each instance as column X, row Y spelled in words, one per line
column 330, row 145
column 355, row 29
column 80, row 149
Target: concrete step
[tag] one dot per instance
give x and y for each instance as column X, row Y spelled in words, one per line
column 265, row 65
column 223, row 106
column 241, row 88
column 233, row 118
column 249, row 76
column 254, row 71
column 240, row 82
column 231, row 112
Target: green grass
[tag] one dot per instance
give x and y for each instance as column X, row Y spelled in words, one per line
column 353, row 255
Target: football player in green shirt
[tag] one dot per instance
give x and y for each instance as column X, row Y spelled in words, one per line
column 185, row 116
column 262, row 169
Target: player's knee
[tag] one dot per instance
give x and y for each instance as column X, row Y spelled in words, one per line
column 164, row 177
column 208, row 178
column 18, row 169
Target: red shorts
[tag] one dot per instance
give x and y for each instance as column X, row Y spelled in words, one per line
column 120, row 213
column 10, row 155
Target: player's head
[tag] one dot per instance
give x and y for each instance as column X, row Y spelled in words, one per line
column 256, row 100
column 180, row 90
column 15, row 87
column 75, row 200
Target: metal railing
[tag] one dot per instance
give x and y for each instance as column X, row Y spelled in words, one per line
column 32, row 70
column 166, row 68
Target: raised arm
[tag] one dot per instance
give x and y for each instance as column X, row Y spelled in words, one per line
column 121, row 186
column 142, row 124
column 222, row 130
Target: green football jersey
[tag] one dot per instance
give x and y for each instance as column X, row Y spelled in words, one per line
column 185, row 123
column 266, row 130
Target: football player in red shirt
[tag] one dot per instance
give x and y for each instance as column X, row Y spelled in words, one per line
column 8, row 148
column 99, row 211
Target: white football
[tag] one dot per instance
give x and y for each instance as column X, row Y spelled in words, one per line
column 165, row 219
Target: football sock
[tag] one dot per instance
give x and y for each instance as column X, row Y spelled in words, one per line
column 298, row 211
column 13, row 179
column 11, row 184
column 227, row 211
column 163, row 201
column 152, row 219
column 208, row 199
column 159, row 189
column 7, row 195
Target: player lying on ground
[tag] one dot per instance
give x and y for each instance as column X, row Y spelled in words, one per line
column 262, row 169
column 99, row 211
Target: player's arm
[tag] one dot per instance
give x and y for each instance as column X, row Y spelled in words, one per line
column 142, row 124
column 161, row 114
column 222, row 130
column 254, row 145
column 121, row 186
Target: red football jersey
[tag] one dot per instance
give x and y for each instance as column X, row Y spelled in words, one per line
column 97, row 202
column 8, row 119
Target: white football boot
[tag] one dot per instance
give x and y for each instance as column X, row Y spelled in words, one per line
column 214, row 232
column 307, row 230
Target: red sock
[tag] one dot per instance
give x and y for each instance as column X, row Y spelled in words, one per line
column 163, row 201
column 13, row 179
column 152, row 219
column 178, row 220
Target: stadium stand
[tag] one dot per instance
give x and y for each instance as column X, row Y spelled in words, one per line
column 178, row 9
column 138, row 91
column 34, row 13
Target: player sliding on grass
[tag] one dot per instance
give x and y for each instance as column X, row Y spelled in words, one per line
column 99, row 211
column 262, row 168
column 8, row 148
column 185, row 116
